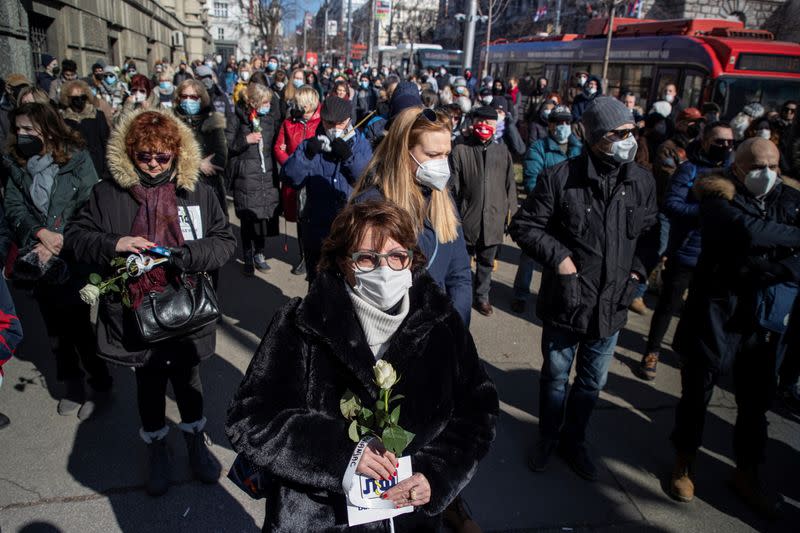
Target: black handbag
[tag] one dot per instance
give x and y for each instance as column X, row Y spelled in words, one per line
column 182, row 308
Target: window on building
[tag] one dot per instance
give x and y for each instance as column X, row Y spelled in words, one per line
column 221, row 10
column 220, row 34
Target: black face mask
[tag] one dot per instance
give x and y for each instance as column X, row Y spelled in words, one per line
column 78, row 103
column 99, row 76
column 154, row 181
column 29, row 145
column 296, row 113
column 718, row 154
column 693, row 131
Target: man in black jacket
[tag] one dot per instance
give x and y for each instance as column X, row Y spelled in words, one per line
column 739, row 303
column 582, row 224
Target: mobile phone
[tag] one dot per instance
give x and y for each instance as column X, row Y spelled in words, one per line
column 160, row 250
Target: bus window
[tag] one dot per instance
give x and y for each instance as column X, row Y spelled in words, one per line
column 563, row 79
column 550, row 74
column 665, row 77
column 732, row 94
column 692, row 88
column 637, row 79
column 614, row 80
column 536, row 70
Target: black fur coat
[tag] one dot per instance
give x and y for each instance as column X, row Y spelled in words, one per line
column 285, row 416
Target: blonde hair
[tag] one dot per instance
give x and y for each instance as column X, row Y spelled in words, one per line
column 391, row 170
column 167, row 73
column 290, row 92
column 257, row 93
column 37, row 95
column 307, row 99
column 198, row 87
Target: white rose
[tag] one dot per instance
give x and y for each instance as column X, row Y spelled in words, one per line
column 385, row 376
column 90, row 294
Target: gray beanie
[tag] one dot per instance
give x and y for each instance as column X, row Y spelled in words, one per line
column 604, row 114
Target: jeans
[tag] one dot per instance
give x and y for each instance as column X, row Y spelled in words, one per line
column 151, row 387
column 676, row 279
column 754, row 388
column 559, row 348
column 484, row 264
column 522, row 281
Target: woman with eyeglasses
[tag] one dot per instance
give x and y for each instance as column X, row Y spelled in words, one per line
column 194, row 107
column 252, row 174
column 50, row 177
column 285, row 417
column 156, row 198
column 411, row 169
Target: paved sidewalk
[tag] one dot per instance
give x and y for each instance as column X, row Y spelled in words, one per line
column 59, row 475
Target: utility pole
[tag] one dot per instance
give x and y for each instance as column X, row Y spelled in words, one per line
column 469, row 33
column 349, row 33
column 488, row 39
column 325, row 31
column 305, row 36
column 371, row 35
column 557, row 27
column 608, row 43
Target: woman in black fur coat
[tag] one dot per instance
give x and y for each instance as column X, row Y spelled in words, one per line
column 285, row 417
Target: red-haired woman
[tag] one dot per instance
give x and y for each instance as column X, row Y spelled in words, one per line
column 155, row 197
column 50, row 177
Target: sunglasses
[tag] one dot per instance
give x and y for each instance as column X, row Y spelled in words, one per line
column 190, row 97
column 367, row 261
column 790, row 109
column 722, row 142
column 619, row 135
column 429, row 114
column 146, row 157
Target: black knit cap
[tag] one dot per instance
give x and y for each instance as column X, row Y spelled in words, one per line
column 336, row 109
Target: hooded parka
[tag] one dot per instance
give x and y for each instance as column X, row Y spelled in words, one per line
column 285, row 417
column 109, row 215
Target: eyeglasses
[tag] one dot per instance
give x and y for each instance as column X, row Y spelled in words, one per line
column 722, row 142
column 619, row 135
column 791, row 110
column 146, row 157
column 190, row 96
column 367, row 261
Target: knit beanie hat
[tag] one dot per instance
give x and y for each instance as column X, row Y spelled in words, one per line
column 336, row 109
column 604, row 114
column 405, row 95
column 46, row 60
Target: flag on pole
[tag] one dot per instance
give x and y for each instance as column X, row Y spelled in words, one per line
column 541, row 13
column 634, row 8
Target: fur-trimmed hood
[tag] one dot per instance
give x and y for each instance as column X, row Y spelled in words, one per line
column 122, row 168
column 722, row 185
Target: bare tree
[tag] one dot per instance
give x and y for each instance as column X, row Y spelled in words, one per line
column 412, row 21
column 267, row 17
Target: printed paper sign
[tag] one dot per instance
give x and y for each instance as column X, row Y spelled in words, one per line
column 364, row 502
column 197, row 221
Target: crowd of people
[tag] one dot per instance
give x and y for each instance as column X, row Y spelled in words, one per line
column 403, row 189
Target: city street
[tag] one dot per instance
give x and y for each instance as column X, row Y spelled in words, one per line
column 57, row 474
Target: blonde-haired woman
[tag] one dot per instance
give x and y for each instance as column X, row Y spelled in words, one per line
column 411, row 168
column 80, row 112
column 252, row 173
column 296, row 80
column 165, row 88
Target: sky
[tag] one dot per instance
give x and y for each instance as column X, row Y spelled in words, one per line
column 312, row 6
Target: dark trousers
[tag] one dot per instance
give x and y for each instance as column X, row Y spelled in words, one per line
column 559, row 349
column 676, row 279
column 484, row 264
column 254, row 234
column 754, row 383
column 72, row 340
column 151, row 388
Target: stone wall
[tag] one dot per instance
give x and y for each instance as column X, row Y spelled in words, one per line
column 14, row 46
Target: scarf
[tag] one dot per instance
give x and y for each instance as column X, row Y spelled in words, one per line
column 43, row 170
column 157, row 221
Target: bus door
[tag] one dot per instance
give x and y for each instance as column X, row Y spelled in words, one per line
column 691, row 91
column 665, row 76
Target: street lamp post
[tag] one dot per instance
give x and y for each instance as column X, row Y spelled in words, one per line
column 469, row 34
column 349, row 33
column 488, row 39
column 607, row 55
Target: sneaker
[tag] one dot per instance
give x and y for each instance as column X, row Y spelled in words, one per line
column 160, row 469
column 300, row 268
column 638, row 306
column 96, row 401
column 749, row 488
column 261, row 262
column 458, row 517
column 681, row 486
column 539, row 457
column 518, row 305
column 578, row 459
column 73, row 397
column 648, row 366
column 204, row 466
column 4, row 421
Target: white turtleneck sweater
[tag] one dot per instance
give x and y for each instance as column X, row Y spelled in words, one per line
column 378, row 325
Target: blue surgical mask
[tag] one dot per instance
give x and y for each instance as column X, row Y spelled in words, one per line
column 298, row 83
column 165, row 85
column 364, row 84
column 562, row 133
column 191, row 107
column 263, row 110
column 110, row 80
column 271, row 66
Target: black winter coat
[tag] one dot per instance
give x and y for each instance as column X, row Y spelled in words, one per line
column 92, row 125
column 108, row 216
column 285, row 417
column 571, row 213
column 484, row 187
column 735, row 230
column 209, row 131
column 255, row 191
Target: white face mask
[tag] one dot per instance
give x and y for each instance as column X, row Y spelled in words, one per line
column 591, row 90
column 625, row 150
column 433, row 173
column 582, row 81
column 139, row 97
column 244, row 75
column 766, row 134
column 487, row 99
column 383, row 287
column 760, row 181
column 669, row 98
column 280, row 85
column 562, row 133
column 334, row 133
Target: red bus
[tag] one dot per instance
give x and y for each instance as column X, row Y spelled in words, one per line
column 707, row 59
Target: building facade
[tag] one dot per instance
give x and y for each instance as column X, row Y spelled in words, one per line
column 231, row 29
column 110, row 31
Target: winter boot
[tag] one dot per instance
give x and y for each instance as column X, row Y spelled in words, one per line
column 73, row 397
column 749, row 488
column 160, row 470
column 248, row 268
column 204, row 466
column 681, row 485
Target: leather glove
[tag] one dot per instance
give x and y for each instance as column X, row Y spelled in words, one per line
column 341, row 150
column 313, row 147
column 180, row 257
